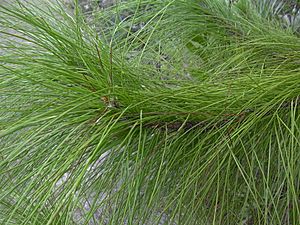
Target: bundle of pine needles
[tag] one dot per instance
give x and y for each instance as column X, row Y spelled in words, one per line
column 149, row 112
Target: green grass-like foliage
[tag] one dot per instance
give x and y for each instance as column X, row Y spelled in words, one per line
column 192, row 118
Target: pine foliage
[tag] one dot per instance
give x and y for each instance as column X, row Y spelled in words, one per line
column 149, row 112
